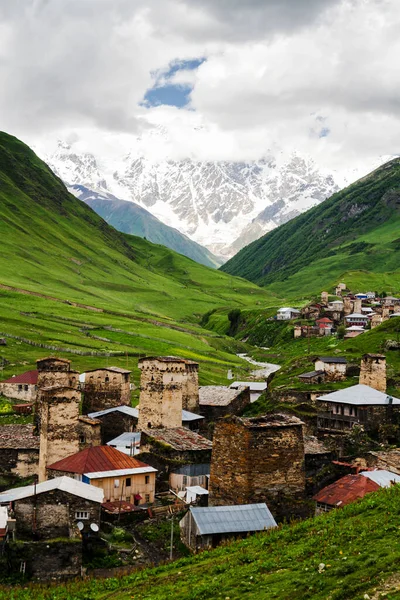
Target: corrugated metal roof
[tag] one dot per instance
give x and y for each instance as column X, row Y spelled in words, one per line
column 127, row 410
column 346, row 490
column 65, row 484
column 96, row 459
column 233, row 519
column 381, row 477
column 189, row 416
column 255, row 386
column 127, row 438
column 29, row 377
column 359, row 395
column 121, row 472
column 197, row 489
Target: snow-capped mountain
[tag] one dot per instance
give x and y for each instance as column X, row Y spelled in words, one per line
column 221, row 205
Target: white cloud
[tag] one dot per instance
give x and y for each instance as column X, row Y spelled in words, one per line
column 276, row 73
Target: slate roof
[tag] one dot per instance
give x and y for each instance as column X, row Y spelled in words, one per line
column 359, row 395
column 346, row 490
column 18, row 436
column 179, row 438
column 193, row 470
column 381, row 477
column 113, row 369
column 65, row 484
column 96, row 459
column 232, row 519
column 333, row 360
column 218, row 395
column 29, row 377
column 312, row 374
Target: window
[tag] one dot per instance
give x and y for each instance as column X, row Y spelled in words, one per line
column 147, row 479
column 81, row 514
column 107, row 379
column 26, row 388
column 128, row 482
column 128, row 498
column 82, row 439
column 147, row 497
column 184, row 480
column 116, row 483
column 20, row 388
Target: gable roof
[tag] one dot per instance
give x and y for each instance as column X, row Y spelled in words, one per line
column 96, row 459
column 359, row 395
column 29, row 377
column 333, row 359
column 65, row 484
column 346, row 490
column 232, row 519
column 179, row 438
column 127, row 410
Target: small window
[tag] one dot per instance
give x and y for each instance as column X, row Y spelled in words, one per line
column 128, row 498
column 147, row 479
column 128, row 482
column 147, row 497
column 20, row 388
column 82, row 439
column 184, row 480
column 107, row 379
column 81, row 514
column 26, row 388
column 116, row 483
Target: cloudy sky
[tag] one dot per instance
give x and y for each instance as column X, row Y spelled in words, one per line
column 206, row 79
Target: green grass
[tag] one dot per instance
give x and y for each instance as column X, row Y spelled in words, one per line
column 151, row 298
column 358, row 546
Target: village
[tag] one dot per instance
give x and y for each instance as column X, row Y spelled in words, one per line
column 187, row 461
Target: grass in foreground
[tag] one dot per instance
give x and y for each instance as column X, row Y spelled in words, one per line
column 358, row 547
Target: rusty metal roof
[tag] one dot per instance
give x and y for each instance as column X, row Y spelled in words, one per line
column 96, row 459
column 29, row 377
column 346, row 490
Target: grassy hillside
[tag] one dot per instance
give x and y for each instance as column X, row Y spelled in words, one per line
column 354, row 236
column 342, row 555
column 131, row 218
column 54, row 245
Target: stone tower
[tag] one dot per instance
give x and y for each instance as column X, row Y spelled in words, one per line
column 347, row 306
column 161, row 392
column 324, row 297
column 106, row 388
column 357, row 306
column 190, row 391
column 54, row 371
column 57, row 418
column 373, row 371
column 257, row 460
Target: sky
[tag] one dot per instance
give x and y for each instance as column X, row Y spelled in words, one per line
column 205, row 79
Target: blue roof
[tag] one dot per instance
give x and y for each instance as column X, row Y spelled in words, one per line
column 232, row 519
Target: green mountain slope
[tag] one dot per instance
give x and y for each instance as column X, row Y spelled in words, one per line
column 52, row 244
column 342, row 555
column 354, row 235
column 131, row 218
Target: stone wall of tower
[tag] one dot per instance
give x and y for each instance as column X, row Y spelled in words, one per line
column 190, row 390
column 105, row 388
column 257, row 460
column 324, row 297
column 57, row 419
column 347, row 306
column 161, row 392
column 357, row 306
column 54, row 371
column 373, row 371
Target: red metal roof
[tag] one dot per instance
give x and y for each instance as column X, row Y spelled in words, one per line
column 120, row 507
column 95, row 459
column 324, row 320
column 29, row 377
column 346, row 490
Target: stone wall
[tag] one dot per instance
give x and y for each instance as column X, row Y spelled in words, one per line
column 20, row 462
column 257, row 460
column 58, row 412
column 52, row 515
column 213, row 412
column 46, row 560
column 114, row 424
column 24, row 392
column 105, row 388
column 190, row 387
column 373, row 371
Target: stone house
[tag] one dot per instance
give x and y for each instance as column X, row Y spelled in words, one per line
column 168, row 449
column 217, row 401
column 19, row 450
column 53, row 508
column 188, row 476
column 105, row 388
column 356, row 405
column 334, row 367
column 21, row 387
column 115, row 421
column 206, row 527
column 121, row 477
column 258, row 459
column 168, row 385
column 313, row 377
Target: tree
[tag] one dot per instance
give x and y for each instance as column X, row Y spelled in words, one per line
column 234, row 319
